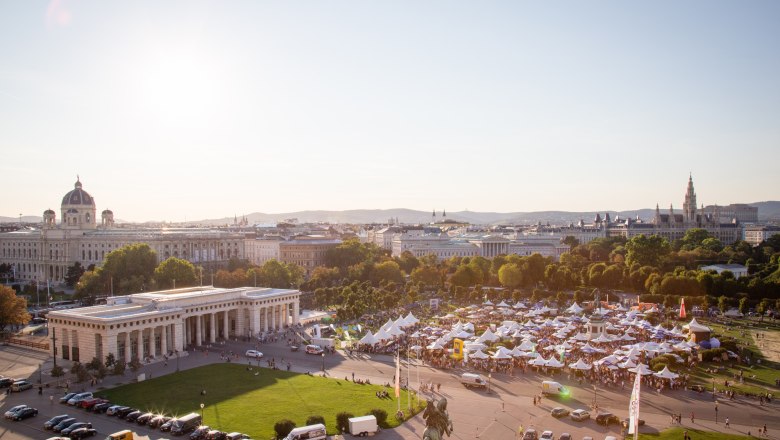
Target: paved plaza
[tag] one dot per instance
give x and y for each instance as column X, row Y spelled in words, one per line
column 476, row 413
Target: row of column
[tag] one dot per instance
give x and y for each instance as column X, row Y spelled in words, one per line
column 210, row 320
column 170, row 341
column 275, row 317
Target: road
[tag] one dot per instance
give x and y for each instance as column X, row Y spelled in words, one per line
column 476, row 413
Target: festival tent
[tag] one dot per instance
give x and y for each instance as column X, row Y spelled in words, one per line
column 503, row 304
column 519, row 305
column 620, row 308
column 473, row 346
column 435, row 346
column 469, row 327
column 733, row 313
column 539, row 362
column 368, row 339
column 395, row 331
column 488, row 336
column 580, row 365
column 682, row 346
column 382, row 335
column 400, row 323
column 588, row 349
column 627, row 337
column 516, row 352
column 553, row 362
column 415, row 334
column 714, row 343
column 463, row 334
column 478, row 355
column 602, row 338
column 574, row 309
column 388, row 324
column 526, row 345
column 529, row 355
column 666, row 374
column 501, row 355
column 609, row 360
column 487, row 303
column 580, row 337
column 642, row 369
column 411, row 319
column 627, row 364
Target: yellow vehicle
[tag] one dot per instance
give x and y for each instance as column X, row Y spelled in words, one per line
column 121, row 435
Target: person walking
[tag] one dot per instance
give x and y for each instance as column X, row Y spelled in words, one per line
column 693, row 420
column 727, row 422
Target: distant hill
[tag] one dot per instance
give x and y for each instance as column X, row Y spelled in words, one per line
column 767, row 211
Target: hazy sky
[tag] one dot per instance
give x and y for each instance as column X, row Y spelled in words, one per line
column 172, row 110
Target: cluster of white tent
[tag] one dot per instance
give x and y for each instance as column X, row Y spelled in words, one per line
column 390, row 330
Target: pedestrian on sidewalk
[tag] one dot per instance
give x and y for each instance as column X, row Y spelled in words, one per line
column 692, row 418
column 727, row 422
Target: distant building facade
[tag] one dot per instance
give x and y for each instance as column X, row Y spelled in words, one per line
column 46, row 253
column 737, row 269
column 755, row 234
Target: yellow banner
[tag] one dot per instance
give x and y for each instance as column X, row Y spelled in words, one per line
column 457, row 349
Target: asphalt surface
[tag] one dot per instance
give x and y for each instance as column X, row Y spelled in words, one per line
column 475, row 413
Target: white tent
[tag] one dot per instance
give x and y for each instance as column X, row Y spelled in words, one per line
column 733, row 313
column 469, row 327
column 580, row 365
column 473, row 346
column 503, row 304
column 526, row 345
column 574, row 309
column 478, row 355
column 435, row 346
column 602, row 338
column 501, row 355
column 410, row 319
column 539, row 362
column 694, row 326
column 368, row 339
column 553, row 362
column 642, row 369
column 382, row 335
column 388, row 324
column 488, row 336
column 395, row 331
column 666, row 374
column 628, row 364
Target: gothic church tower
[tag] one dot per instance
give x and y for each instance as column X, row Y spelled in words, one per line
column 689, row 207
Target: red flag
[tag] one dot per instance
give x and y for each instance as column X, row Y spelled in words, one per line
column 682, row 308
column 398, row 376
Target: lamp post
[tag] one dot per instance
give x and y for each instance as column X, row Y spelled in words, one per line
column 201, row 414
column 323, row 362
column 177, row 360
column 40, row 374
column 595, row 404
column 490, row 376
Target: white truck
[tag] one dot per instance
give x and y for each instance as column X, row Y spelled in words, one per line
column 363, row 426
column 324, row 342
column 554, row 388
column 473, row 380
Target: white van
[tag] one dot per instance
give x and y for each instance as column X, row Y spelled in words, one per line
column 473, row 380
column 311, row 432
column 314, row 349
column 554, row 388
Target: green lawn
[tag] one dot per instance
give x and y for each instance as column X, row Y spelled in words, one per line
column 696, row 434
column 239, row 400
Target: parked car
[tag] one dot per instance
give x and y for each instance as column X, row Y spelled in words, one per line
column 102, row 407
column 24, row 413
column 236, row 436
column 10, row 413
column 158, row 421
column 530, row 434
column 64, row 399
column 143, row 419
column 64, row 424
column 564, row 436
column 75, row 426
column 113, row 410
column 21, row 385
column 559, row 412
column 133, row 416
column 80, row 397
column 89, row 403
column 607, row 419
column 215, row 435
column 200, row 432
column 253, row 354
column 52, row 422
column 6, row 382
column 80, row 433
column 122, row 413
column 578, row 415
column 547, row 435
column 166, row 426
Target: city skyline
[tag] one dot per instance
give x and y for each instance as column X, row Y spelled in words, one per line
column 194, row 110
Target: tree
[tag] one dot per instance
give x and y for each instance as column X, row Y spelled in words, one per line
column 647, row 251
column 73, row 274
column 408, row 262
column 510, row 275
column 13, row 309
column 723, row 303
column 466, row 276
column 315, row 419
column 426, row 275
column 281, row 275
column 387, row 271
column 131, row 266
column 342, row 421
column 283, row 427
column 743, row 305
column 175, row 272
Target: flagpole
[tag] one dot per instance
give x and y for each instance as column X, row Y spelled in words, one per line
column 408, row 391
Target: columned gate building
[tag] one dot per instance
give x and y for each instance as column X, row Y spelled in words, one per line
column 150, row 325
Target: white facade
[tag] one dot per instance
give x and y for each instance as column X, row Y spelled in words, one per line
column 737, row 269
column 260, row 250
column 757, row 234
column 148, row 326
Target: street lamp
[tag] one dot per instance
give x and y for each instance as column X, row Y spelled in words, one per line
column 490, row 376
column 177, row 360
column 323, row 362
column 201, row 414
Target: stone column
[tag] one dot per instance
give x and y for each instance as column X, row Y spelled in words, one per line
column 265, row 319
column 164, row 339
column 187, row 324
column 213, row 328
column 127, row 346
column 109, row 345
column 198, row 332
column 178, row 332
column 296, row 313
column 272, row 314
column 254, row 320
column 226, row 325
column 140, row 345
column 241, row 326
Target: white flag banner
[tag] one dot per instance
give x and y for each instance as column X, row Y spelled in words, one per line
column 633, row 407
column 398, row 376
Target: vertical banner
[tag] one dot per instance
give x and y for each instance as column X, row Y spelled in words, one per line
column 398, row 377
column 633, row 407
column 457, row 349
column 682, row 308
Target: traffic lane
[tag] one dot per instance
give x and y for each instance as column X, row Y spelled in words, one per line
column 20, row 362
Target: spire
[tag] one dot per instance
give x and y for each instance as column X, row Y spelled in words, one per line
column 444, row 213
column 434, row 213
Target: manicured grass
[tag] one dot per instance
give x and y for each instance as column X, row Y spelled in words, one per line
column 696, row 434
column 239, row 400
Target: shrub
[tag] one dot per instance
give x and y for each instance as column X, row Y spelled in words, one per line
column 381, row 417
column 283, row 427
column 342, row 421
column 315, row 419
column 712, row 353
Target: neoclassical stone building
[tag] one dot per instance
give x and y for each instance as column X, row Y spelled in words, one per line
column 153, row 324
column 45, row 254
